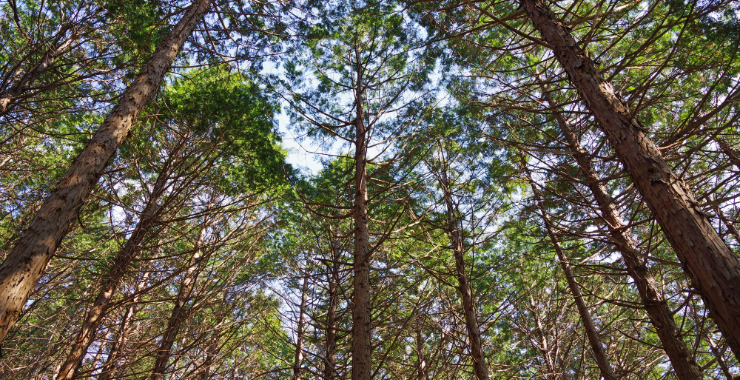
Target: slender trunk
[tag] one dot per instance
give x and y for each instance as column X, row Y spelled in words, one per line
column 734, row 156
column 422, row 363
column 657, row 309
column 25, row 264
column 728, row 223
column 298, row 359
column 712, row 267
column 544, row 347
column 115, row 352
column 205, row 372
column 98, row 310
column 25, row 81
column 331, row 319
column 588, row 324
column 720, row 360
column 466, row 291
column 361, row 322
column 180, row 309
column 731, row 152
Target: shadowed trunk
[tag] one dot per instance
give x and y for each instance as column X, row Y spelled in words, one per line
column 179, row 310
column 422, row 363
column 543, row 346
column 467, row 299
column 588, row 324
column 205, row 372
column 361, row 321
column 657, row 309
column 96, row 313
column 712, row 267
column 117, row 348
column 298, row 359
column 25, row 264
column 331, row 318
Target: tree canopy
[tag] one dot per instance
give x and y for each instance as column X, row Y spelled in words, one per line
column 375, row 189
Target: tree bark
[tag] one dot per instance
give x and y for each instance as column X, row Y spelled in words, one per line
column 114, row 354
column 422, row 363
column 179, row 310
column 98, row 310
column 205, row 372
column 466, row 291
column 734, row 157
column 26, row 262
column 331, row 318
column 298, row 359
column 543, row 345
column 657, row 309
column 361, row 318
column 712, row 267
column 588, row 324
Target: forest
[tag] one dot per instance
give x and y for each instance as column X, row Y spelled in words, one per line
column 370, row 189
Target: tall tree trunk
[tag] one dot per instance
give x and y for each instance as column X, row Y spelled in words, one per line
column 734, row 156
column 657, row 309
column 96, row 313
column 466, row 291
column 298, row 359
column 544, row 346
column 179, row 309
column 205, row 372
column 115, row 352
column 423, row 372
column 712, row 267
column 26, row 80
column 730, row 151
column 331, row 318
column 25, row 264
column 588, row 324
column 361, row 321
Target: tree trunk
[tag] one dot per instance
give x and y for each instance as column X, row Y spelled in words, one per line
column 734, row 156
column 180, row 309
column 205, row 372
column 712, row 267
column 298, row 359
column 588, row 324
column 422, row 363
column 26, row 262
column 543, row 345
column 331, row 318
column 361, row 321
column 96, row 313
column 466, row 291
column 731, row 152
column 115, row 352
column 657, row 309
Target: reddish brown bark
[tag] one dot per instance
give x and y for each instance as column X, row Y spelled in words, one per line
column 660, row 316
column 127, row 321
column 179, row 309
column 98, row 310
column 423, row 373
column 298, row 358
column 26, row 262
column 361, row 309
column 467, row 299
column 712, row 267
column 588, row 324
column 331, row 317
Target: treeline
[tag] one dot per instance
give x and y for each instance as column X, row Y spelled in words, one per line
column 508, row 189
